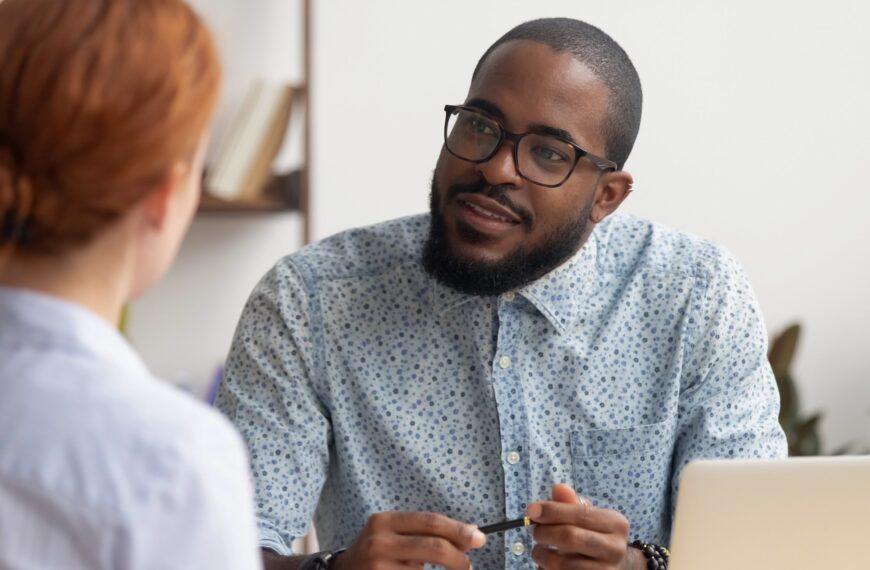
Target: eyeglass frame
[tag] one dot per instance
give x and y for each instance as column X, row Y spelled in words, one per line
column 601, row 163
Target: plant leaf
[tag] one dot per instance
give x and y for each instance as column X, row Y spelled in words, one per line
column 806, row 436
column 782, row 350
column 788, row 400
column 845, row 449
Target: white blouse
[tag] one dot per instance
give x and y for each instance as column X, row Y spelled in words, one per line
column 102, row 466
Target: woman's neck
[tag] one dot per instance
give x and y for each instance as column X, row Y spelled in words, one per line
column 96, row 277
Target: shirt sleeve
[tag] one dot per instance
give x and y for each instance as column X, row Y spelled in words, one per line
column 729, row 402
column 269, row 393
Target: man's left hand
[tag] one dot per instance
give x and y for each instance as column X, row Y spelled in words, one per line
column 571, row 533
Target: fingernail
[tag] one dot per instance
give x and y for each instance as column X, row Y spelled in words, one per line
column 534, row 511
column 478, row 537
column 474, row 534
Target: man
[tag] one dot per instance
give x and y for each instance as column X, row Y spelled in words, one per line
column 520, row 351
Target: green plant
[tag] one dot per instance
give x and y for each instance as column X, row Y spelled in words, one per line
column 124, row 321
column 801, row 432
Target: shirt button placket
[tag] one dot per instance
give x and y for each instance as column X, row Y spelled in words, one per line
column 508, row 386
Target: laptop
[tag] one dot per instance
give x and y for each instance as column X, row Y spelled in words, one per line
column 782, row 514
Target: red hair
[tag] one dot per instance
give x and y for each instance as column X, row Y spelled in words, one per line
column 98, row 99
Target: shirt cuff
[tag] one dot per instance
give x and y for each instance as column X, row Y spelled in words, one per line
column 272, row 540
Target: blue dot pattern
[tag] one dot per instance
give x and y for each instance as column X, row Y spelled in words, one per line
column 362, row 385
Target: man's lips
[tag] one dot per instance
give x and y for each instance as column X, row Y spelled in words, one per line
column 488, row 208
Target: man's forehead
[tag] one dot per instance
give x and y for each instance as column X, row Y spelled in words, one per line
column 532, row 84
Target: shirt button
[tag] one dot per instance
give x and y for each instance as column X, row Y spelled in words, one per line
column 509, row 296
column 513, row 458
column 504, row 361
column 518, row 548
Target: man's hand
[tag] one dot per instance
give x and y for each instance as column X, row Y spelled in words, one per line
column 573, row 534
column 403, row 540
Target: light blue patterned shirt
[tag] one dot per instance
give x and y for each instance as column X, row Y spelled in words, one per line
column 362, row 385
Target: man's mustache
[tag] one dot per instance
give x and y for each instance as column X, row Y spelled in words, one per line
column 498, row 193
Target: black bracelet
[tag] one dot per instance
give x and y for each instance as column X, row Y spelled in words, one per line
column 322, row 560
column 657, row 556
column 335, row 553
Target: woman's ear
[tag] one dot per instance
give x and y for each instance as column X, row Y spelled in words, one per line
column 613, row 189
column 155, row 205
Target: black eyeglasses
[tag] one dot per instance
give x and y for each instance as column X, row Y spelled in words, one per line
column 544, row 159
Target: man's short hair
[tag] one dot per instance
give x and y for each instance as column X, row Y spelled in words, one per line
column 606, row 59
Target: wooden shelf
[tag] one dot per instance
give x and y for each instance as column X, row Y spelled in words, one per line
column 211, row 205
column 284, row 193
column 281, row 195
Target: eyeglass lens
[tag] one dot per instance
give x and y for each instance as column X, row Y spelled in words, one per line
column 543, row 159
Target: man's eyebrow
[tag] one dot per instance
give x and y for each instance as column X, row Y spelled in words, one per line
column 556, row 132
column 487, row 107
column 494, row 110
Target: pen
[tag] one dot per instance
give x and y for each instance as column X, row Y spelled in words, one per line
column 506, row 525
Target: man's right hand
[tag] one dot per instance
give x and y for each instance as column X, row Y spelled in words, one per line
column 399, row 540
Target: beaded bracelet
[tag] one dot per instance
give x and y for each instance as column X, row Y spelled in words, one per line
column 657, row 556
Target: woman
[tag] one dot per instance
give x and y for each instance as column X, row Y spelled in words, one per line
column 103, row 111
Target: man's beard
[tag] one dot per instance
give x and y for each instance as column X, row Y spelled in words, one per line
column 519, row 267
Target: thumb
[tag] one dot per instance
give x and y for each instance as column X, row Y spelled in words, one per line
column 564, row 494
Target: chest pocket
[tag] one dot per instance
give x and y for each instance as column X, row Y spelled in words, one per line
column 627, row 470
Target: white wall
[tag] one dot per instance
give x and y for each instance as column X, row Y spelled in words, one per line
column 183, row 327
column 754, row 135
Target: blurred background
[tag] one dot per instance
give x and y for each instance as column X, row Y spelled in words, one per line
column 754, row 135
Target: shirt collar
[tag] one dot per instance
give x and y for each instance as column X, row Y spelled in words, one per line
column 444, row 299
column 28, row 317
column 560, row 295
column 563, row 294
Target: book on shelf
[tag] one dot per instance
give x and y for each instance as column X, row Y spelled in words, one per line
column 243, row 162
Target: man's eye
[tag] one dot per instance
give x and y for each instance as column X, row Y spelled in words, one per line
column 480, row 127
column 549, row 154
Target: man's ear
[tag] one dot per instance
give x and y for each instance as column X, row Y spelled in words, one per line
column 613, row 188
column 155, row 205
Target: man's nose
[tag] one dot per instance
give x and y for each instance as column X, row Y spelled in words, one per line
column 501, row 169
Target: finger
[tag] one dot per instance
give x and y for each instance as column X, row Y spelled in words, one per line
column 582, row 514
column 463, row 536
column 418, row 550
column 550, row 559
column 568, row 539
column 562, row 493
column 384, row 547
